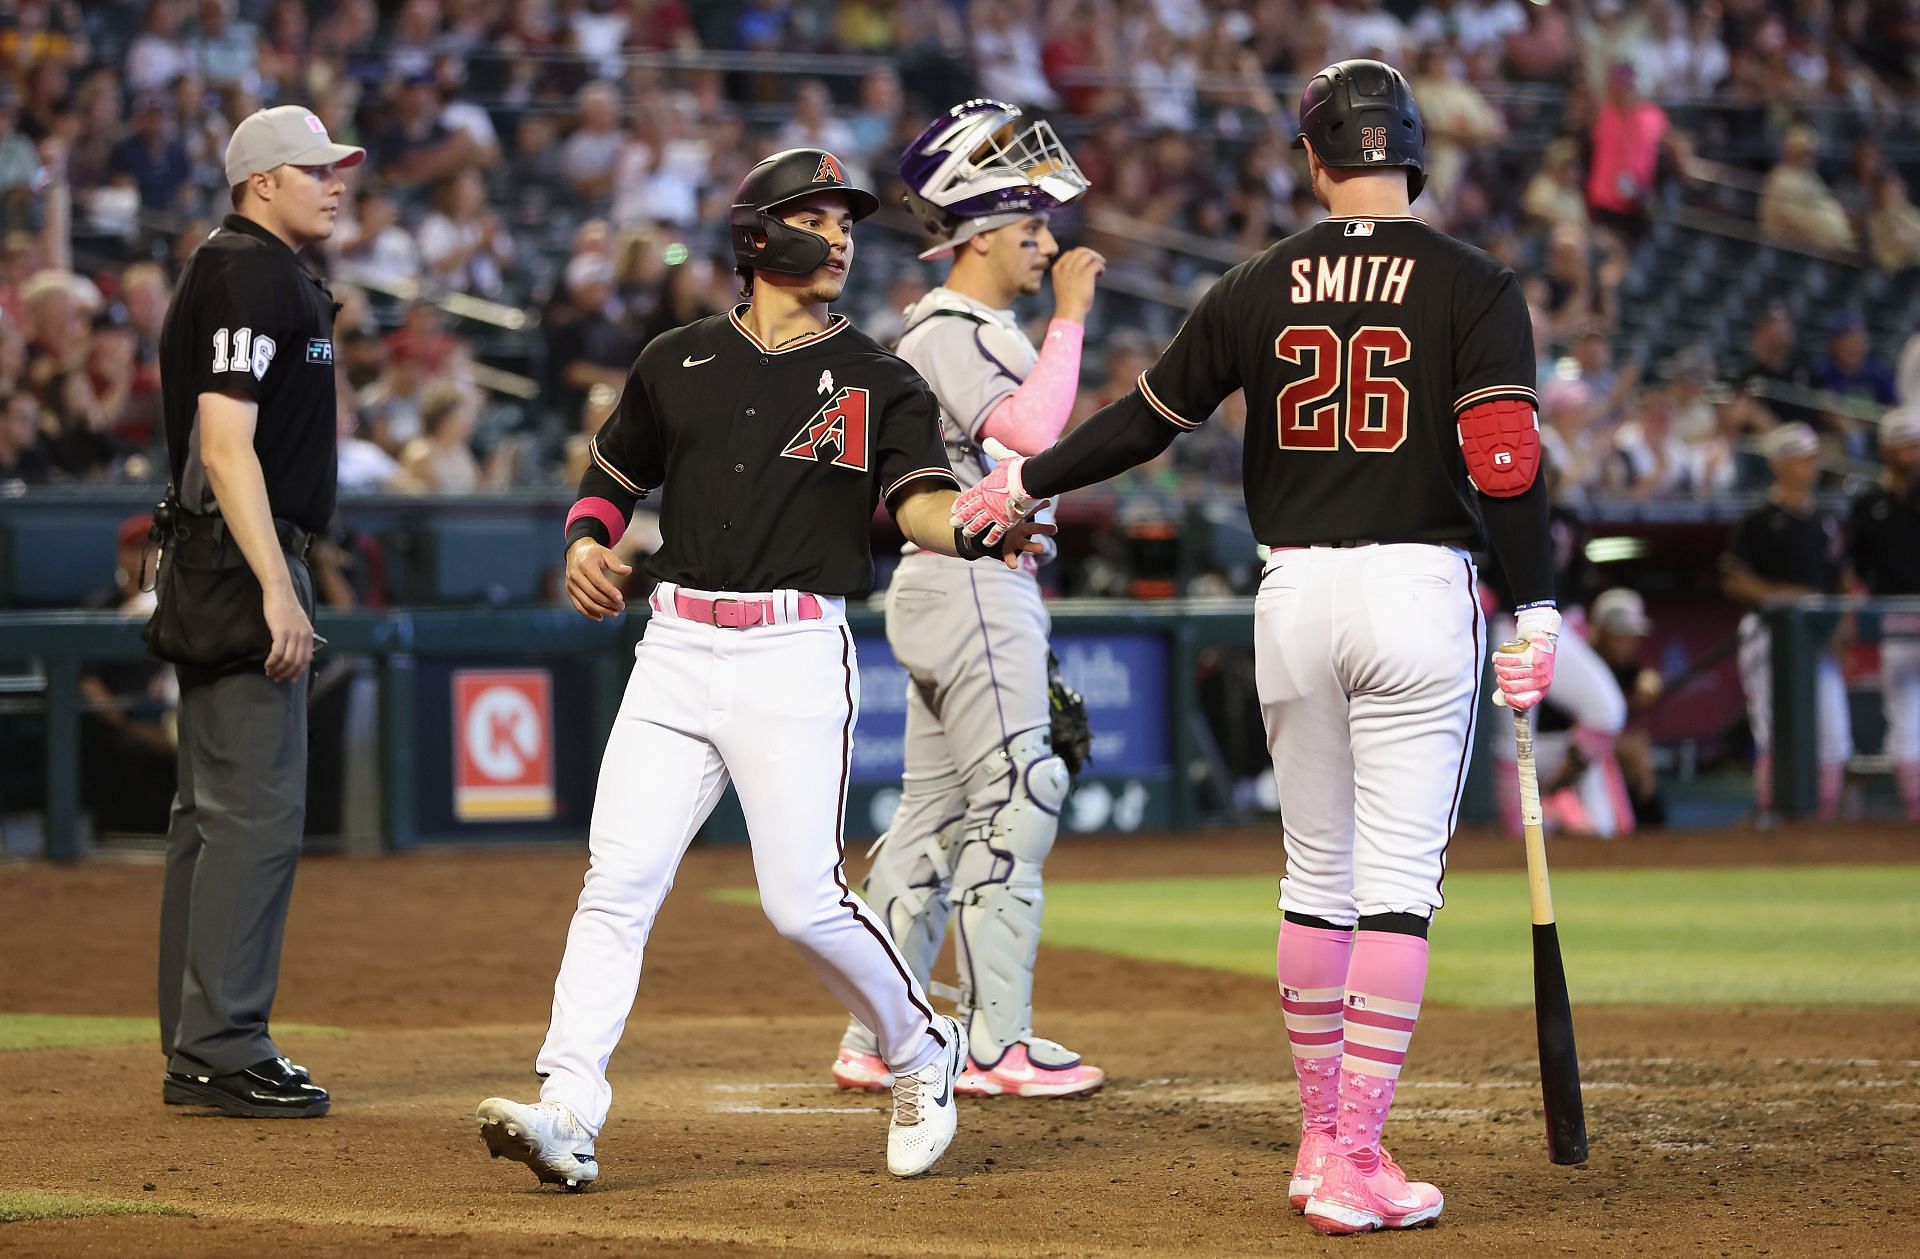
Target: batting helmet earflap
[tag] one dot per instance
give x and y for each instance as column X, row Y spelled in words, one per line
column 761, row 242
column 1361, row 113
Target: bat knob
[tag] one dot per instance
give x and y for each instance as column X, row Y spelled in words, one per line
column 1512, row 647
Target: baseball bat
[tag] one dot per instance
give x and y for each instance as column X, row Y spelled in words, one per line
column 1553, row 1012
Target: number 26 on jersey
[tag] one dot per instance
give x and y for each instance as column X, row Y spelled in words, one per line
column 1345, row 390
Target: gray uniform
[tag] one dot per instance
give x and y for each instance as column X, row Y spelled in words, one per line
column 982, row 791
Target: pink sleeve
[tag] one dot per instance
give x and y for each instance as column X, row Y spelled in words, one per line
column 1031, row 418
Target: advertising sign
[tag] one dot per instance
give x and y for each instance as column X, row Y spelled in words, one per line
column 503, row 745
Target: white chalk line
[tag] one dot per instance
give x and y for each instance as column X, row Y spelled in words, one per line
column 737, row 1108
column 1772, row 1062
column 1280, row 1093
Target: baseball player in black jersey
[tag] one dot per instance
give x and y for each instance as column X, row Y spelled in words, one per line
column 1785, row 548
column 1389, row 379
column 772, row 430
column 1884, row 543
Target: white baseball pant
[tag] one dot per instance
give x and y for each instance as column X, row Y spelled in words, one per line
column 773, row 706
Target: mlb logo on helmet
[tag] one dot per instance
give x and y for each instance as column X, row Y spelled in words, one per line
column 828, row 172
column 315, row 125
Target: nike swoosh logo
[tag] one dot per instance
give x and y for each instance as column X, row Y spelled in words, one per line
column 691, row 361
column 953, row 1069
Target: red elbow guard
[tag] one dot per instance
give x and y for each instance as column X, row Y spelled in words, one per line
column 1501, row 443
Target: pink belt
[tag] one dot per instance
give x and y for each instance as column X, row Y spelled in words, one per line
column 739, row 614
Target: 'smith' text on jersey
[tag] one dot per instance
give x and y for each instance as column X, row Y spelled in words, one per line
column 1361, row 278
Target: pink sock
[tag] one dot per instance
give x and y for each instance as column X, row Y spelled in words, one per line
column 1506, row 799
column 1312, row 965
column 1907, row 775
column 1833, row 784
column 1385, row 982
column 1763, row 780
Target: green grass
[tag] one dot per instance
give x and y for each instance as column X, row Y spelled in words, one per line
column 16, row 1207
column 54, row 1031
column 1777, row 935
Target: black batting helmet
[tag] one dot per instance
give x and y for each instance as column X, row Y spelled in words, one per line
column 1361, row 113
column 761, row 242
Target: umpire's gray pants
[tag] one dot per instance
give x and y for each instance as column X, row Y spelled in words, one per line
column 231, row 851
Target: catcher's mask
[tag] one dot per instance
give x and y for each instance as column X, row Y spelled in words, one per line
column 975, row 169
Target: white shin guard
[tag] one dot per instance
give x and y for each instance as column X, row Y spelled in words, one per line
column 997, row 887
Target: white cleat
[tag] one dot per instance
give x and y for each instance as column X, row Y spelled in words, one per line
column 544, row 1136
column 925, row 1111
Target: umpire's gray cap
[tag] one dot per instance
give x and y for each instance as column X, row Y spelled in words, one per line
column 286, row 135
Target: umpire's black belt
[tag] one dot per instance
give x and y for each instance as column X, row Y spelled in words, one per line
column 211, row 532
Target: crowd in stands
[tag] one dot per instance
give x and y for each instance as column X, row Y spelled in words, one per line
column 548, row 180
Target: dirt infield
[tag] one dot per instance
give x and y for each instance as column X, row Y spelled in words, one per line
column 1722, row 1132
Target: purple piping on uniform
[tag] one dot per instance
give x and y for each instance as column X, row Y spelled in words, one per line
column 847, row 900
column 991, row 358
column 1473, row 716
column 986, row 644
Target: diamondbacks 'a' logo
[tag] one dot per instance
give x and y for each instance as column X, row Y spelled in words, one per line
column 828, row 172
column 839, row 426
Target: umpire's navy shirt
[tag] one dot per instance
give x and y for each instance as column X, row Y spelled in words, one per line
column 249, row 318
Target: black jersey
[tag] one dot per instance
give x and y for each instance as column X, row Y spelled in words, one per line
column 1884, row 538
column 771, row 457
column 1801, row 549
column 1358, row 342
column 249, row 318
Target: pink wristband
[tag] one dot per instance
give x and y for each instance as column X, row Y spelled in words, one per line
column 603, row 511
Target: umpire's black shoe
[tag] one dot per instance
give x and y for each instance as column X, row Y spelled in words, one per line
column 268, row 1089
column 174, row 1098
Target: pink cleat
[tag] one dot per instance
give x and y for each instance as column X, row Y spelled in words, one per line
column 1315, row 1149
column 1350, row 1201
column 861, row 1073
column 1034, row 1068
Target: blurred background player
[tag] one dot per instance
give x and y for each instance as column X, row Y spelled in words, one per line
column 1391, row 426
column 1884, row 532
column 1618, row 627
column 1581, row 785
column 981, row 796
column 1785, row 549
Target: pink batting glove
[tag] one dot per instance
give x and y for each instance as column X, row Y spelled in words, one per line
column 998, row 502
column 1524, row 676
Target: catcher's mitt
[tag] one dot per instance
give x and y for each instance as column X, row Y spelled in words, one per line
column 1072, row 736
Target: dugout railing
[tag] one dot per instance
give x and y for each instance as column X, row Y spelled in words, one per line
column 1802, row 630
column 1141, row 660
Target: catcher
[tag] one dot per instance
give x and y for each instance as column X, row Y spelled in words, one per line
column 985, row 778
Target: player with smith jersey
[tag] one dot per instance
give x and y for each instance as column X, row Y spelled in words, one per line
column 1389, row 376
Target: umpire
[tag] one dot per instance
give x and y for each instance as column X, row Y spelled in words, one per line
column 247, row 378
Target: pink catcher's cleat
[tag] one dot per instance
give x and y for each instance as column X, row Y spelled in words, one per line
column 1315, row 1149
column 1351, row 1201
column 861, row 1073
column 1035, row 1068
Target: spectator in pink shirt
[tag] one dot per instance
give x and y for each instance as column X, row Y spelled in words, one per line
column 1629, row 132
